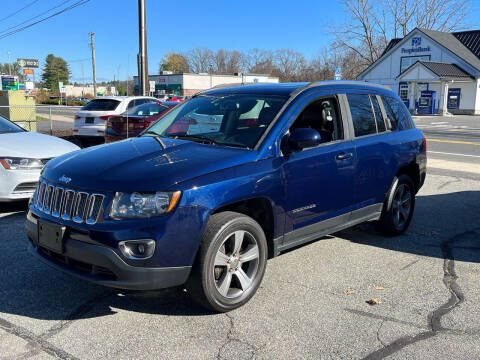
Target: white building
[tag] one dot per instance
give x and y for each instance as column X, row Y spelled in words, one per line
column 426, row 64
column 189, row 84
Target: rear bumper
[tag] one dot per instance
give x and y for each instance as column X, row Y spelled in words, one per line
column 102, row 265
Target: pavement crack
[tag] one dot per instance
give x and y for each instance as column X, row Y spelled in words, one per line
column 234, row 346
column 34, row 342
column 435, row 317
column 446, row 183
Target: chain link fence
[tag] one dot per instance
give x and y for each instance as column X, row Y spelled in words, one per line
column 54, row 120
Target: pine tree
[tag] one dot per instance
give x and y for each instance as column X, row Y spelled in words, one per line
column 55, row 69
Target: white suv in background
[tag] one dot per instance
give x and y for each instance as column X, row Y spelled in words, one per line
column 90, row 121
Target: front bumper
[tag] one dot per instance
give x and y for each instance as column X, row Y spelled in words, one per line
column 10, row 181
column 102, row 265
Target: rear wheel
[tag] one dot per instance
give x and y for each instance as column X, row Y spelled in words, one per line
column 230, row 263
column 398, row 207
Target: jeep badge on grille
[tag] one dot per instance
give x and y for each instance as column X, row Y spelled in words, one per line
column 65, row 179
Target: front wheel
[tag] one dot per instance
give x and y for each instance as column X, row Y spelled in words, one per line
column 398, row 207
column 230, row 263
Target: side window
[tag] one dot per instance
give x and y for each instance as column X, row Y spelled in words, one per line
column 378, row 114
column 391, row 108
column 324, row 116
column 131, row 104
column 362, row 115
column 397, row 113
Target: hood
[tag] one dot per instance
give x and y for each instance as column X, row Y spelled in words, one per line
column 142, row 164
column 34, row 145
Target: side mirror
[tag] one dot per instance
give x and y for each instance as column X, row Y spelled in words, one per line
column 302, row 138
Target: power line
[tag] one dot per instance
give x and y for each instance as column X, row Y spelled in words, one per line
column 34, row 17
column 16, row 12
column 78, row 3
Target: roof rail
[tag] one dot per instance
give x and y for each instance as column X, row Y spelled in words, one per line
column 338, row 82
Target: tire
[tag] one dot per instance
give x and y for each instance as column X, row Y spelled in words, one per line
column 220, row 280
column 398, row 207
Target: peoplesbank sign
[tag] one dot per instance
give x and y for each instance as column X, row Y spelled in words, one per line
column 416, row 48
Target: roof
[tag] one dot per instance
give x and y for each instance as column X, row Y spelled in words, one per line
column 280, row 89
column 120, row 98
column 390, row 45
column 445, row 71
column 471, row 40
column 287, row 89
column 452, row 43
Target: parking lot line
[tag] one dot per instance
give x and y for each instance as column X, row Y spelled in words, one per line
column 454, row 142
column 456, row 154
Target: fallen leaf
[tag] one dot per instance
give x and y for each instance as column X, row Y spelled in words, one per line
column 374, row 301
column 379, row 288
column 349, row 292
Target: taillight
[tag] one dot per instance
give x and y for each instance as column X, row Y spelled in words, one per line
column 424, row 143
column 76, row 117
column 105, row 117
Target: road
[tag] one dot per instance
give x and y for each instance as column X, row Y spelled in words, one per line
column 312, row 302
column 452, row 139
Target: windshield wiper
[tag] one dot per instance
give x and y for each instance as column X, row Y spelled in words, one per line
column 195, row 137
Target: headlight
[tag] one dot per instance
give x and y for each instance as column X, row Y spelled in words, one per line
column 15, row 163
column 133, row 205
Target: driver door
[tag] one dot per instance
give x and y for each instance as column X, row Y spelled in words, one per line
column 319, row 181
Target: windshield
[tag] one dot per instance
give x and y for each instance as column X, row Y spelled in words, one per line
column 7, row 126
column 101, row 105
column 146, row 110
column 234, row 120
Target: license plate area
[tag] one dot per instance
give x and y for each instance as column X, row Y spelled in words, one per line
column 50, row 236
column 89, row 120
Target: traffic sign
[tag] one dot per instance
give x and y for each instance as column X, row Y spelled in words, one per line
column 28, row 72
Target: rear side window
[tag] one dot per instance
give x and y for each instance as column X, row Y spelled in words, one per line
column 362, row 115
column 378, row 114
column 101, row 105
column 397, row 114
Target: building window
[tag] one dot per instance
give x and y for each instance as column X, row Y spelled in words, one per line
column 403, row 91
column 407, row 61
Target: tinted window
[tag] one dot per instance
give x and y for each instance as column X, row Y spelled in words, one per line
column 101, row 105
column 397, row 113
column 378, row 114
column 146, row 110
column 362, row 116
column 7, row 126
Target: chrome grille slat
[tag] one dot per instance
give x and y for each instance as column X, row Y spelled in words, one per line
column 68, row 204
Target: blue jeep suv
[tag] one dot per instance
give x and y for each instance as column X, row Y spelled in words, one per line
column 226, row 180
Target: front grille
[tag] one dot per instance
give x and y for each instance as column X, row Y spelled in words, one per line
column 68, row 204
column 26, row 187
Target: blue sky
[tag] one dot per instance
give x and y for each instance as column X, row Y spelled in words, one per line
column 302, row 25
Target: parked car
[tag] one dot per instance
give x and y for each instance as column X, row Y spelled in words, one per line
column 90, row 120
column 23, row 154
column 132, row 122
column 204, row 208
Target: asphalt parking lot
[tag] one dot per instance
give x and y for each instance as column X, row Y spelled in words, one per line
column 312, row 303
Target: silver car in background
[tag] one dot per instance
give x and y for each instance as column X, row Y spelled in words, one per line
column 23, row 155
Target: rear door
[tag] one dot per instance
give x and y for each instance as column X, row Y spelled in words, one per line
column 374, row 151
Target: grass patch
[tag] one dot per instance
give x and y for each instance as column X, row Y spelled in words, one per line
column 41, row 118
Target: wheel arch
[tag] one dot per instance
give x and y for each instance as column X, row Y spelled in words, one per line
column 261, row 210
column 413, row 171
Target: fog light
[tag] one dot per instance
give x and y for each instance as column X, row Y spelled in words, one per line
column 137, row 249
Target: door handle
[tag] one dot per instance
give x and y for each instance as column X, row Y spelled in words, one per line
column 344, row 156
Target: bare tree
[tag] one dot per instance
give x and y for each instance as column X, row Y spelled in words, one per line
column 229, row 62
column 200, row 60
column 373, row 23
column 290, row 63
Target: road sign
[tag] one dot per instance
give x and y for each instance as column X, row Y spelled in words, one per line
column 28, row 72
column 338, row 74
column 63, row 90
column 31, row 63
column 60, row 84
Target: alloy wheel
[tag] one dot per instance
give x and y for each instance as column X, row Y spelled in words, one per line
column 401, row 205
column 236, row 264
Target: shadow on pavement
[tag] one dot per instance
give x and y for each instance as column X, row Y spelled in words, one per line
column 32, row 289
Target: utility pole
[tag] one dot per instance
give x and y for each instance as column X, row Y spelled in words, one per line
column 9, row 65
column 142, row 61
column 92, row 45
